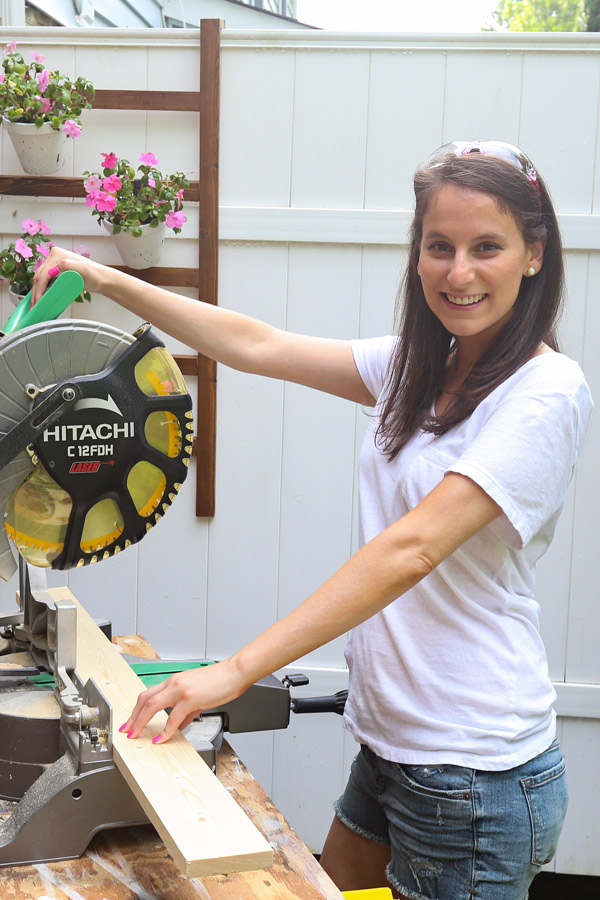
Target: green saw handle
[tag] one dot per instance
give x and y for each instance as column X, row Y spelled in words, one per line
column 55, row 299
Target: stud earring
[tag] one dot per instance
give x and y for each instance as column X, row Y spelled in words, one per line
column 531, row 271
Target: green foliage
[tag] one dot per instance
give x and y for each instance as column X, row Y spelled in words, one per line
column 541, row 15
column 129, row 199
column 32, row 93
column 21, row 259
column 592, row 9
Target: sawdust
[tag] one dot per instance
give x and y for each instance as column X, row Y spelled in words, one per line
column 30, row 703
column 15, row 660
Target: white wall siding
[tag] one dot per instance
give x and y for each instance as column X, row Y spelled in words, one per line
column 320, row 135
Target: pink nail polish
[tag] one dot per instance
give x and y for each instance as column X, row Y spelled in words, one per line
column 129, row 733
column 123, row 726
column 156, row 739
column 53, row 272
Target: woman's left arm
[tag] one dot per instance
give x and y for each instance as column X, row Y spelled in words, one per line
column 381, row 571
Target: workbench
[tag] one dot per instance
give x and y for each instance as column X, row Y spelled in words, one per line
column 133, row 864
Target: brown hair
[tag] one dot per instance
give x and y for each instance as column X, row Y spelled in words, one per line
column 419, row 360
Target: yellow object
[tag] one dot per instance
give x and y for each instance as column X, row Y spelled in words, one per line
column 371, row 894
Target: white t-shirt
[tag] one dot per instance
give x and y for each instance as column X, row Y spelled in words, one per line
column 454, row 671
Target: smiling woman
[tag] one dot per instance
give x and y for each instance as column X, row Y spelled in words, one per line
column 459, row 788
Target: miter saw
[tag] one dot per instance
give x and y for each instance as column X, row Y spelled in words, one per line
column 95, row 442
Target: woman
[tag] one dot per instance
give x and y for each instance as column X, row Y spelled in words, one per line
column 459, row 789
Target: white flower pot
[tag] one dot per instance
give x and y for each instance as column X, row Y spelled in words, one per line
column 14, row 296
column 139, row 252
column 40, row 150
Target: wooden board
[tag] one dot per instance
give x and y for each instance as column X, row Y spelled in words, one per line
column 202, row 827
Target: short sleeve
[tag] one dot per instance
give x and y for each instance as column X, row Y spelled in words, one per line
column 372, row 358
column 525, row 454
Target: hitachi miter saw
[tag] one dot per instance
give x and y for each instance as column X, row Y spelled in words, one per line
column 95, row 442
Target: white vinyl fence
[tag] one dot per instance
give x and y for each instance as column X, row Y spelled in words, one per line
column 320, row 134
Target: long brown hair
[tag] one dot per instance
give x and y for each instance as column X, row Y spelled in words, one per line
column 419, row 361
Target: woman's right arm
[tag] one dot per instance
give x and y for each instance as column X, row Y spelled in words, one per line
column 238, row 341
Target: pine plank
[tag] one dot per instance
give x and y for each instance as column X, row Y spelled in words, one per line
column 203, row 828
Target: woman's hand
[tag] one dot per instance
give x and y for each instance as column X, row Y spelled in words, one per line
column 188, row 693
column 94, row 275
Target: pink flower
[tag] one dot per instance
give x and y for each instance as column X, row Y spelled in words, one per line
column 71, row 128
column 93, row 183
column 43, row 80
column 2, row 76
column 43, row 227
column 22, row 249
column 30, row 226
column 148, row 159
column 179, row 196
column 10, row 48
column 82, row 250
column 44, row 249
column 152, row 182
column 110, row 160
column 39, row 262
column 104, row 202
column 175, row 219
column 112, row 184
column 46, row 106
column 92, row 197
column 37, row 57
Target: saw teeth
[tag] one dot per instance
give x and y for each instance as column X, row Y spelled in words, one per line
column 106, row 555
column 176, row 486
column 165, row 507
column 117, row 549
column 127, row 543
column 185, row 461
column 171, row 497
column 148, row 527
column 189, row 414
column 94, row 558
column 80, row 562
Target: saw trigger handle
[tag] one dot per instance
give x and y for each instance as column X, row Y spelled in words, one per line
column 61, row 291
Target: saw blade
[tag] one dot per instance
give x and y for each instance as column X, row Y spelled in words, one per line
column 42, row 355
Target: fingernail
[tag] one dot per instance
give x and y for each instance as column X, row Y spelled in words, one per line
column 129, row 733
column 123, row 726
column 156, row 739
column 53, row 272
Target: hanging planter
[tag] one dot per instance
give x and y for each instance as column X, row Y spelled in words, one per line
column 16, row 294
column 40, row 109
column 139, row 252
column 136, row 211
column 41, row 150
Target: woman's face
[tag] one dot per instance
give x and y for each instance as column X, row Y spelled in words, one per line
column 472, row 260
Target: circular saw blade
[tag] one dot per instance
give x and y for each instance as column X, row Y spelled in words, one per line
column 44, row 355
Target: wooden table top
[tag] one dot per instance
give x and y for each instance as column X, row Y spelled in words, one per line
column 133, row 864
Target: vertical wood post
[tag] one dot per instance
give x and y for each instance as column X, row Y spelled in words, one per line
column 208, row 255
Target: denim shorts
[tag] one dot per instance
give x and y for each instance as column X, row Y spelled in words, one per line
column 457, row 833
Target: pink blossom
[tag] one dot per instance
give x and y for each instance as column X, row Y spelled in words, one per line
column 39, row 262
column 37, row 57
column 82, row 250
column 30, row 226
column 46, row 105
column 104, row 202
column 44, row 249
column 110, row 160
column 22, row 249
column 175, row 219
column 43, row 227
column 2, row 76
column 43, row 80
column 152, row 182
column 10, row 48
column 179, row 196
column 148, row 159
column 71, row 128
column 93, row 183
column 92, row 197
column 112, row 184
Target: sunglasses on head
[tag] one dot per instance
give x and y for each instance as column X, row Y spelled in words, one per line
column 498, row 149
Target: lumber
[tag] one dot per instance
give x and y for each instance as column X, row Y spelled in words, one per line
column 202, row 827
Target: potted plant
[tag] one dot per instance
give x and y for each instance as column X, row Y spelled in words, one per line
column 40, row 109
column 136, row 206
column 21, row 259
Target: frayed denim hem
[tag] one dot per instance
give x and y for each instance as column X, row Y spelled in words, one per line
column 410, row 895
column 377, row 839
